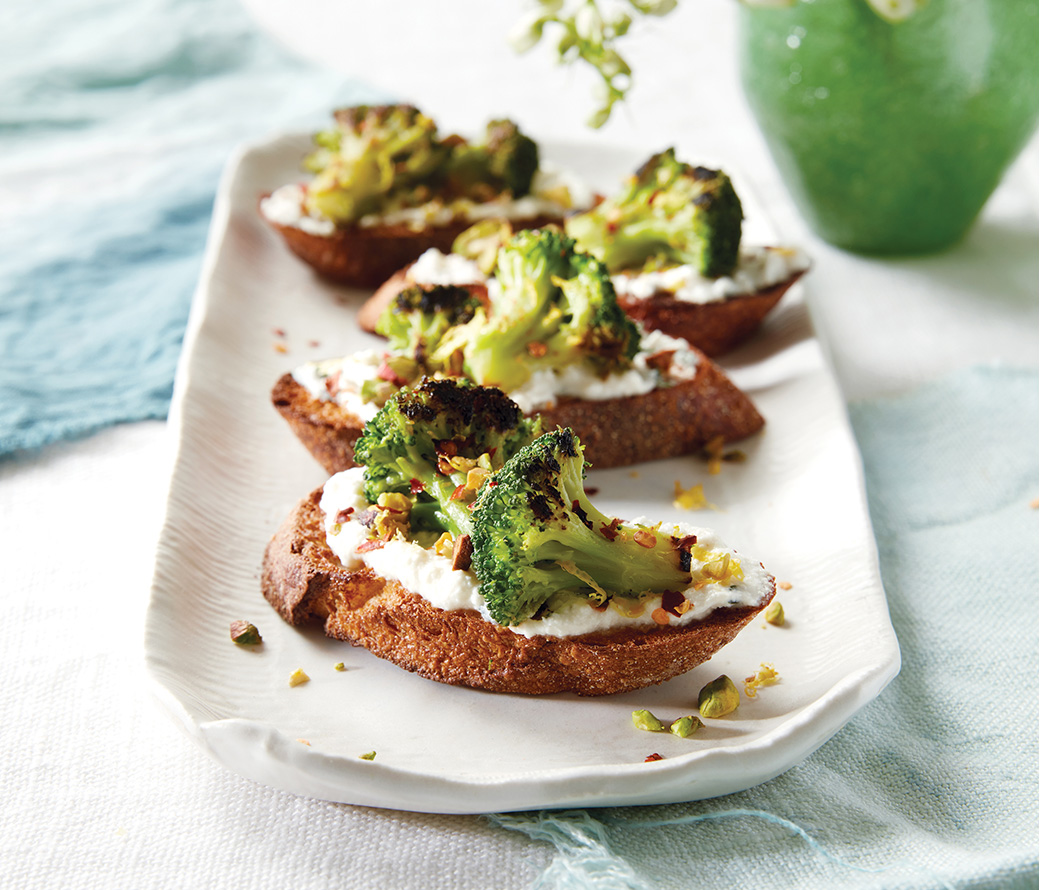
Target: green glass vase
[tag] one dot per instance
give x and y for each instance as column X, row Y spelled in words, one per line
column 891, row 136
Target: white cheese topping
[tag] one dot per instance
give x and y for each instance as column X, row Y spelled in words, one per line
column 757, row 268
column 285, row 208
column 554, row 192
column 434, row 267
column 341, row 379
column 431, row 576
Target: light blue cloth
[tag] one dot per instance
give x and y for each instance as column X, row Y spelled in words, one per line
column 934, row 784
column 116, row 118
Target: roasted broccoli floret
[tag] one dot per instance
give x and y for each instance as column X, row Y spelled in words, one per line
column 669, row 212
column 373, row 152
column 506, row 160
column 436, row 442
column 512, row 156
column 536, row 536
column 554, row 307
column 418, row 318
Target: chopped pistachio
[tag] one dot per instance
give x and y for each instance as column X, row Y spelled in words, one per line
column 643, row 719
column 691, row 498
column 719, row 698
column 685, row 726
column 774, row 613
column 298, row 678
column 368, row 755
column 245, row 634
column 766, row 676
column 339, row 666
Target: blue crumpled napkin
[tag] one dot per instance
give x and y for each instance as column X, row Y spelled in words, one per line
column 116, row 118
column 934, row 784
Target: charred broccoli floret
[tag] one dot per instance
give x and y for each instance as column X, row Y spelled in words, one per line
column 668, row 212
column 536, row 536
column 382, row 155
column 436, row 442
column 374, row 152
column 554, row 307
column 506, row 160
column 418, row 318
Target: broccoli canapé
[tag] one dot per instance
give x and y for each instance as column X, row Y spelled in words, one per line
column 418, row 318
column 669, row 212
column 537, row 538
column 554, row 307
column 435, row 443
column 383, row 156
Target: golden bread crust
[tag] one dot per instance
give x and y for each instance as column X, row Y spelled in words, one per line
column 716, row 327
column 667, row 422
column 306, row 583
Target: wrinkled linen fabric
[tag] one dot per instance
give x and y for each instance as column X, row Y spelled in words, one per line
column 116, row 119
column 934, row 784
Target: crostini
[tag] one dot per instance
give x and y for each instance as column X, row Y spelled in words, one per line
column 386, row 187
column 550, row 334
column 466, row 550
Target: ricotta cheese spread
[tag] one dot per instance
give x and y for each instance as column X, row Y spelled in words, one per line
column 554, row 192
column 341, row 379
column 430, row 576
column 284, row 207
column 757, row 268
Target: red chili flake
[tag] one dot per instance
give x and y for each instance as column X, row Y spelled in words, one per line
column 416, row 485
column 278, row 332
column 537, row 349
column 387, row 373
column 314, row 344
column 344, row 515
column 685, row 543
column 459, row 493
column 671, row 600
column 610, row 532
column 661, row 361
column 373, row 543
column 592, row 492
column 332, row 383
column 447, row 447
column 645, row 539
column 653, row 757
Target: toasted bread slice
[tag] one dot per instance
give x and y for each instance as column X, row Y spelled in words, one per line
column 366, row 256
column 306, row 583
column 714, row 327
column 667, row 422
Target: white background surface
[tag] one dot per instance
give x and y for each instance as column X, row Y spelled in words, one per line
column 97, row 782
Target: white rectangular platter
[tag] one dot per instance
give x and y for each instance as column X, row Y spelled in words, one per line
column 797, row 504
